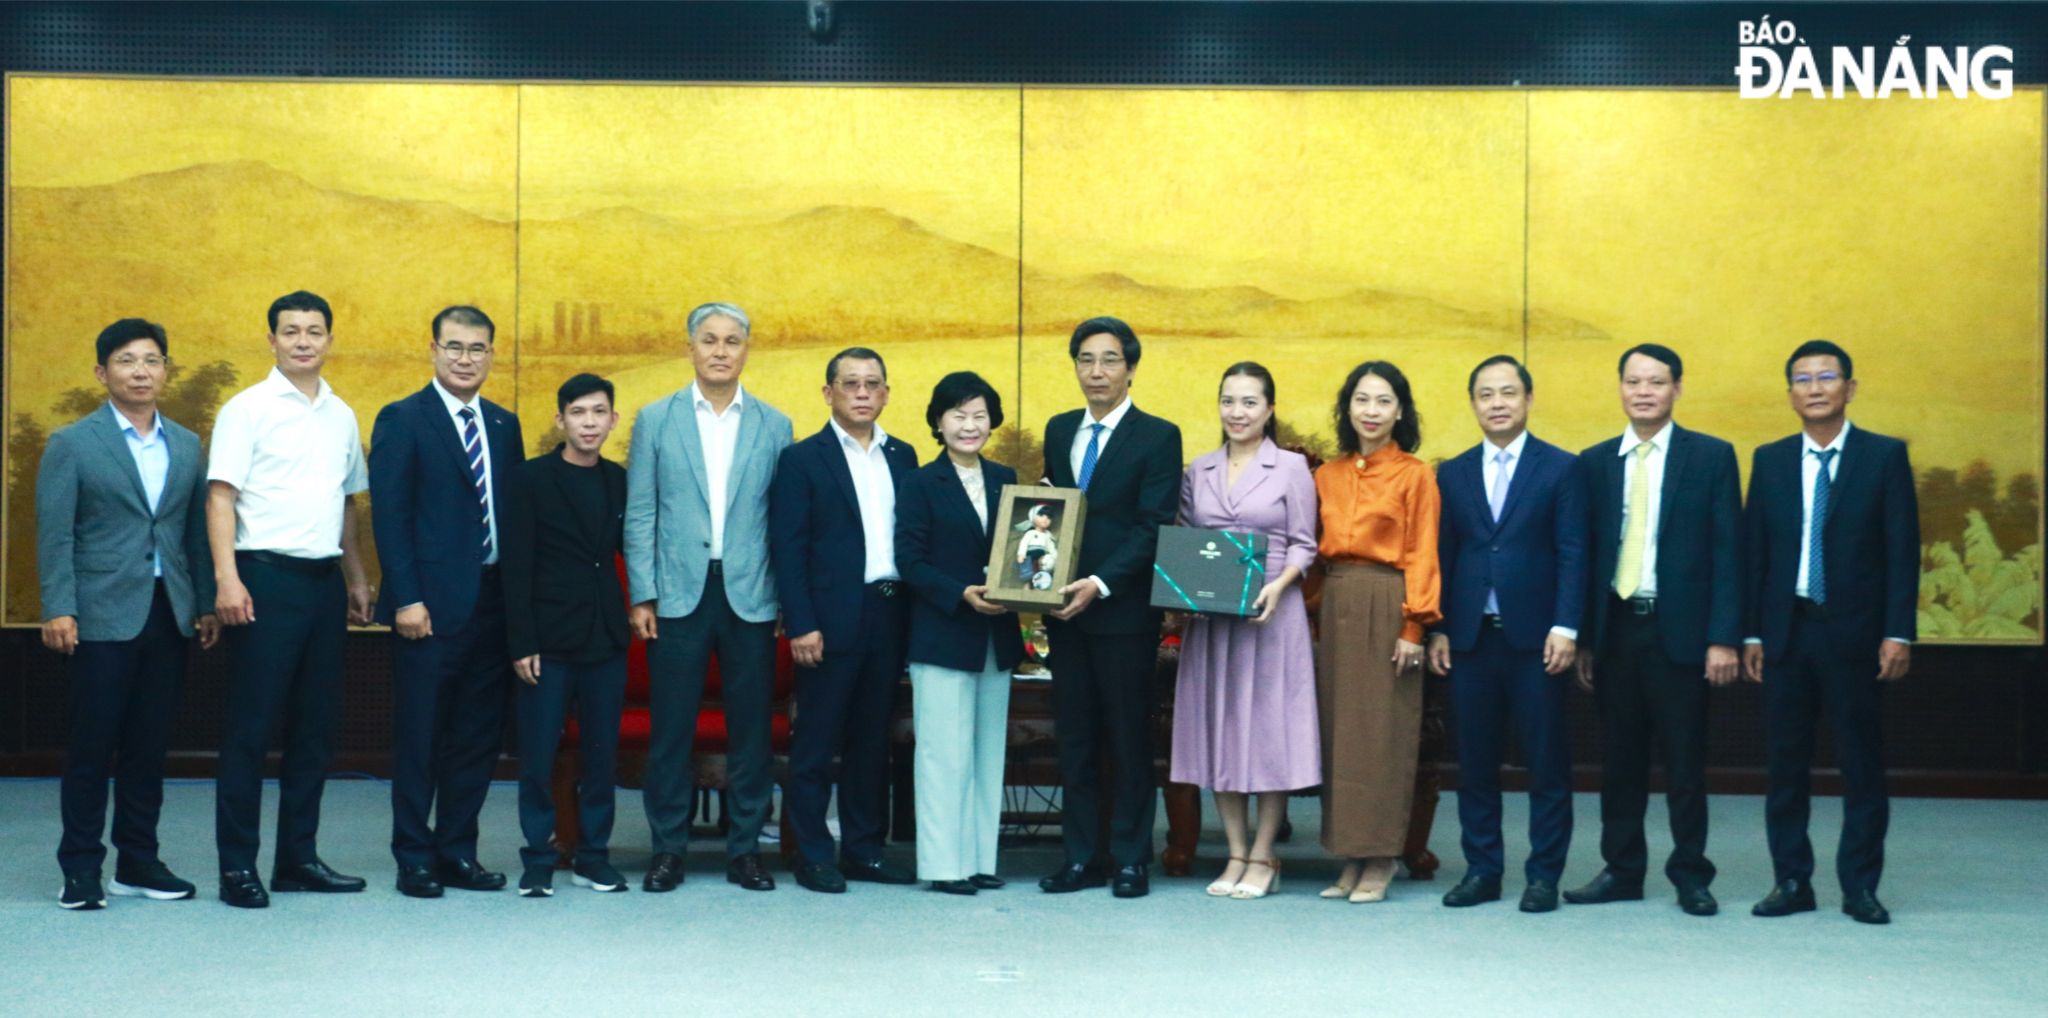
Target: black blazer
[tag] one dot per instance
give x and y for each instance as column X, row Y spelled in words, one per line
column 942, row 548
column 1533, row 558
column 815, row 541
column 560, row 567
column 1134, row 492
column 1699, row 543
column 1871, row 537
column 423, row 505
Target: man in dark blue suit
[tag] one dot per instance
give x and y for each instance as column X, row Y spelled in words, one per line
column 435, row 460
column 1512, row 547
column 1831, row 542
column 1664, row 610
column 832, row 540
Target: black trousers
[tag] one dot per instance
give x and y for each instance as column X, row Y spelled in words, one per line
column 448, row 718
column 1812, row 679
column 121, row 700
column 842, row 710
column 1102, row 703
column 598, row 690
column 1646, row 697
column 676, row 663
column 288, row 661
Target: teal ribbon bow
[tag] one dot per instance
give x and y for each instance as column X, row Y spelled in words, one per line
column 1251, row 561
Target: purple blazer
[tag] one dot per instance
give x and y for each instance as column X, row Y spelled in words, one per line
column 1275, row 495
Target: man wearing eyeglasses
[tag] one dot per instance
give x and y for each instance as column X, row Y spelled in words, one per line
column 121, row 553
column 436, row 458
column 1831, row 586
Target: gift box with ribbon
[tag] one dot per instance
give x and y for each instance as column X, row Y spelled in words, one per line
column 1213, row 572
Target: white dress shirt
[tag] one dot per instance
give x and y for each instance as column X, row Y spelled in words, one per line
column 1490, row 473
column 718, row 435
column 152, row 460
column 476, row 407
column 292, row 461
column 874, row 490
column 1082, row 434
column 1660, row 447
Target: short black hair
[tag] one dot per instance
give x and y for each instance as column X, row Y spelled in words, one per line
column 579, row 386
column 464, row 314
column 1407, row 431
column 1114, row 326
column 858, row 353
column 300, row 300
column 127, row 331
column 1821, row 348
column 959, row 388
column 1472, row 381
column 1657, row 352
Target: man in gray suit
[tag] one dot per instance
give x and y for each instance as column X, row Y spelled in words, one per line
column 126, row 577
column 697, row 569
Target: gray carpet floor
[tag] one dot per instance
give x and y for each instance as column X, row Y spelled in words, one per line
column 1963, row 881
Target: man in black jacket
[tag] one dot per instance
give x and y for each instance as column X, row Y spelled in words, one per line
column 566, row 625
column 1663, row 618
column 1105, row 640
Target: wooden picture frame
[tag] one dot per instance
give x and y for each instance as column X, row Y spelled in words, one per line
column 1037, row 546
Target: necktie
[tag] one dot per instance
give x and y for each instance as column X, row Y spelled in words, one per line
column 1816, row 562
column 1628, row 573
column 1498, row 498
column 1088, row 458
column 473, row 448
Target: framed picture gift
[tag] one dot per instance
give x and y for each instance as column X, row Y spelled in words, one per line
column 1038, row 540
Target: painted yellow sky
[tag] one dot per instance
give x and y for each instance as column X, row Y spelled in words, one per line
column 1909, row 232
column 419, row 142
column 1306, row 194
column 945, row 157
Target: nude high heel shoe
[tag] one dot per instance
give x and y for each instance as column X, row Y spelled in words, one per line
column 1222, row 888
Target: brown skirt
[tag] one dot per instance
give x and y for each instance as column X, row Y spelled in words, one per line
column 1371, row 717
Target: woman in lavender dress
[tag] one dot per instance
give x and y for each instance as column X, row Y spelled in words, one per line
column 1244, row 717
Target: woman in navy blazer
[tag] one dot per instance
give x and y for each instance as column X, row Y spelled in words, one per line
column 962, row 648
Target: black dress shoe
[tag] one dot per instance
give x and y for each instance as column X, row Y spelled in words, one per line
column 152, row 880
column 954, row 886
column 314, row 876
column 987, row 881
column 1603, row 888
column 468, row 875
column 82, row 892
column 1473, row 890
column 1539, row 896
column 822, row 877
column 418, row 882
column 1134, row 881
column 746, row 871
column 880, row 871
column 1697, row 901
column 1863, row 907
column 1073, row 877
column 241, row 889
column 1788, row 897
column 664, row 874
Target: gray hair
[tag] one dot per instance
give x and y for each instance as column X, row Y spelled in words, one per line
column 704, row 311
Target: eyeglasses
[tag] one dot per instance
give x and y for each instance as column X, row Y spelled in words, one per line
column 1825, row 379
column 863, row 385
column 457, row 351
column 1089, row 360
column 153, row 362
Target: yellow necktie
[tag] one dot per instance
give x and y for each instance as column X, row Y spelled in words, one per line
column 1628, row 574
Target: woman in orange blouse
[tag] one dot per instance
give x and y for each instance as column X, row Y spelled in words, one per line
column 1379, row 516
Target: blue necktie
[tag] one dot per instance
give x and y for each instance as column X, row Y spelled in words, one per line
column 1088, row 458
column 1816, row 564
column 473, row 447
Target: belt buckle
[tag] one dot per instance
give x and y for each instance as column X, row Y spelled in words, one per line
column 1643, row 605
column 886, row 588
column 1491, row 622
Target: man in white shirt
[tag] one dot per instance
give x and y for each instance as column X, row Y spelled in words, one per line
column 698, row 576
column 286, row 463
column 832, row 529
column 436, row 458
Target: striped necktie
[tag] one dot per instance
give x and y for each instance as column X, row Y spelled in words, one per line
column 1090, row 455
column 473, row 449
column 1816, row 559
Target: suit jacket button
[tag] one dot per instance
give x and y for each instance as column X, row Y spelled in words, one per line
column 1496, row 547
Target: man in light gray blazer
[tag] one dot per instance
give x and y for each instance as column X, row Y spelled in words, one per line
column 697, row 568
column 126, row 577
